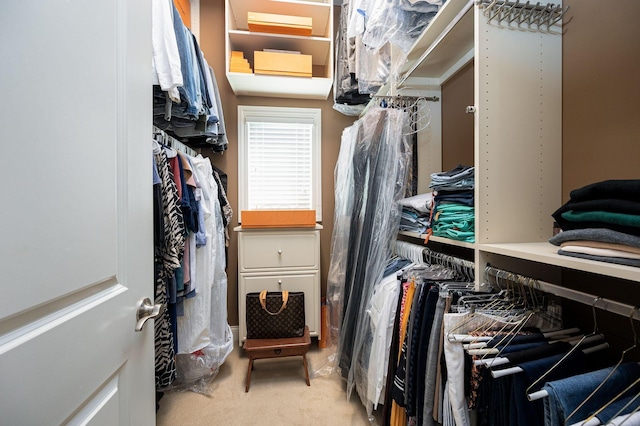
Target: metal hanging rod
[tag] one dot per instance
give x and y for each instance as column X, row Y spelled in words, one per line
column 421, row 254
column 567, row 293
column 407, row 98
column 174, row 143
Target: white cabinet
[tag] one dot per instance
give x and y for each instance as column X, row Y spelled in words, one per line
column 277, row 260
column 319, row 45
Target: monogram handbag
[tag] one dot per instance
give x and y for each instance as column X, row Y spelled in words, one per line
column 275, row 315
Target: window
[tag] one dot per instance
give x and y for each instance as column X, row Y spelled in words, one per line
column 279, row 159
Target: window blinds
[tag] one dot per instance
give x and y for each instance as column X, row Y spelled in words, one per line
column 279, row 165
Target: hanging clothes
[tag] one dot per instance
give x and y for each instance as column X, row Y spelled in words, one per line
column 204, row 323
column 193, row 336
column 168, row 255
column 186, row 99
column 371, row 186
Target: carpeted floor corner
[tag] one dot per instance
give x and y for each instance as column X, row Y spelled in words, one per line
column 278, row 396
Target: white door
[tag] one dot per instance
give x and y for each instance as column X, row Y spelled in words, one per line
column 76, row 212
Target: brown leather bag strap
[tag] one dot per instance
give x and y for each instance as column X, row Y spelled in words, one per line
column 263, row 301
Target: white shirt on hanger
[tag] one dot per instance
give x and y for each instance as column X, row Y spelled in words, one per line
column 165, row 56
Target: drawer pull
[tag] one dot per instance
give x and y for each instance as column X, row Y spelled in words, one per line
column 279, row 282
column 279, row 251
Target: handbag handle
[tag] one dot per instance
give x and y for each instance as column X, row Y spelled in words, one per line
column 263, row 301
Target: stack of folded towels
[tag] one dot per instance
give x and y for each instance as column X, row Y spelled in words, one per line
column 601, row 221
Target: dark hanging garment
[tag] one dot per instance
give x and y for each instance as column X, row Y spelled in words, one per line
column 167, row 259
column 379, row 167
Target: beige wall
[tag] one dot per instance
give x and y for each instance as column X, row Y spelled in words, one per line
column 600, row 92
column 457, row 125
column 212, row 44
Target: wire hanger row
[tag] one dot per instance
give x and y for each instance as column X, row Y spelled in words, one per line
column 535, row 16
column 416, row 106
column 168, row 140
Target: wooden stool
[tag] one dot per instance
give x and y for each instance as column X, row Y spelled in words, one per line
column 276, row 348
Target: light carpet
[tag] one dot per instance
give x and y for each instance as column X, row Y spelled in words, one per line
column 278, row 396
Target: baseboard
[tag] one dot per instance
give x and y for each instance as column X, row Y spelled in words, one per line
column 235, row 329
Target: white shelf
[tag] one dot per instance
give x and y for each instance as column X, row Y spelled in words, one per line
column 441, row 240
column 544, row 252
column 319, row 46
column 439, row 49
column 279, row 87
column 541, row 252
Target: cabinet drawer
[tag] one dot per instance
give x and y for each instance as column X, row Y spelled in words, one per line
column 309, row 283
column 281, row 250
column 298, row 282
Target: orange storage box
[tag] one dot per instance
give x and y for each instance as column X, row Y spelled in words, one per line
column 238, row 63
column 275, row 63
column 279, row 24
column 278, row 218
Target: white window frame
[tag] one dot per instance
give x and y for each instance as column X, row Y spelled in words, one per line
column 285, row 115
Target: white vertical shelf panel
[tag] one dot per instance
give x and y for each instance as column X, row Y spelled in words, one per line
column 518, row 132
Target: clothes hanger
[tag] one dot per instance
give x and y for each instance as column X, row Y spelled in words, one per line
column 489, row 7
column 496, row 313
column 538, row 395
column 495, row 306
column 531, row 310
column 543, row 16
column 502, row 343
column 513, row 370
column 632, row 347
column 546, row 19
column 560, row 14
column 516, row 14
column 635, row 410
column 508, row 12
column 523, row 13
column 540, row 17
column 592, row 420
column 498, row 12
column 550, row 337
column 461, row 324
column 551, row 334
column 532, row 15
column 553, row 338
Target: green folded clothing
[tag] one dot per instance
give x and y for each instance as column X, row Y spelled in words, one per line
column 455, row 222
column 603, row 216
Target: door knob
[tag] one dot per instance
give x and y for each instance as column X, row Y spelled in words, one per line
column 145, row 311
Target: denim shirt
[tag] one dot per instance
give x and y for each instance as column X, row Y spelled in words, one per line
column 188, row 92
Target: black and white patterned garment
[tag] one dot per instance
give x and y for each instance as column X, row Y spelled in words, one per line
column 167, row 256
